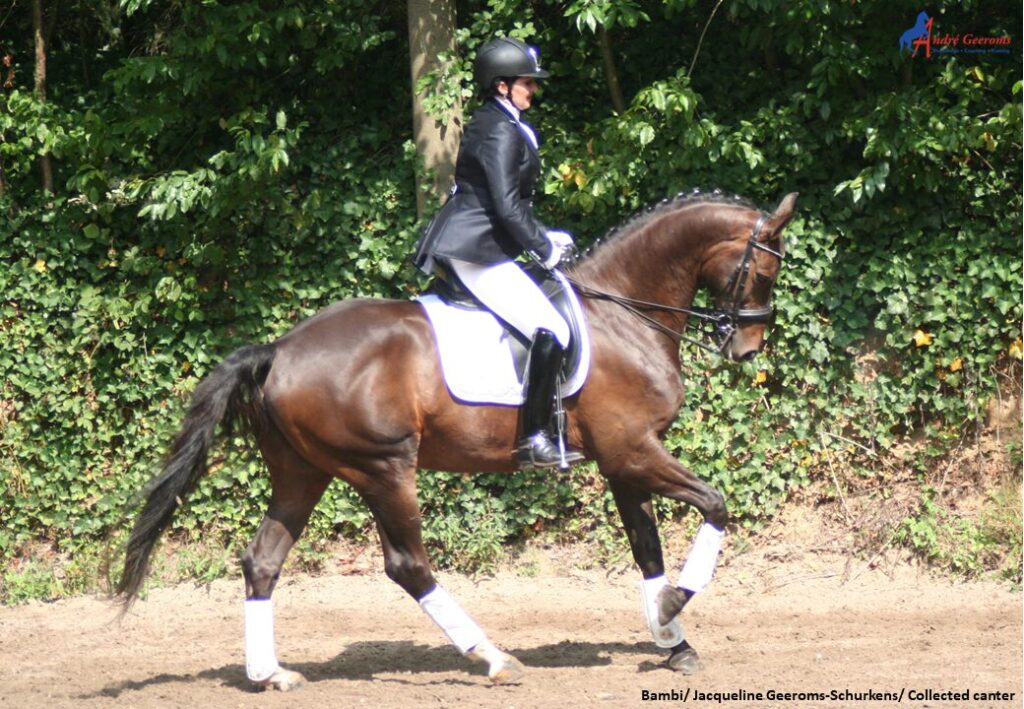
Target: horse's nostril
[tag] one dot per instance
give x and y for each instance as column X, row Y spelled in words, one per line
column 747, row 356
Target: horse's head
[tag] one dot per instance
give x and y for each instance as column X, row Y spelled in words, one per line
column 740, row 272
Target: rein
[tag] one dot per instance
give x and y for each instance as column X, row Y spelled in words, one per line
column 723, row 322
column 633, row 306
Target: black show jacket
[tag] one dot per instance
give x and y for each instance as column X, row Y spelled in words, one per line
column 490, row 217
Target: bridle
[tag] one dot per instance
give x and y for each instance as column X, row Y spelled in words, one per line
column 736, row 315
column 718, row 324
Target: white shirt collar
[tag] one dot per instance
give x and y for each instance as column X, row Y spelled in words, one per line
column 508, row 106
column 514, row 112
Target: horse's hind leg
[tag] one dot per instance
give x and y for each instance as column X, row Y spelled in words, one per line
column 392, row 499
column 296, row 488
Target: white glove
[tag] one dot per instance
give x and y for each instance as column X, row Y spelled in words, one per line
column 559, row 238
column 561, row 241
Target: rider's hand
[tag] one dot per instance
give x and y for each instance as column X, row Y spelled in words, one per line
column 561, row 241
column 559, row 238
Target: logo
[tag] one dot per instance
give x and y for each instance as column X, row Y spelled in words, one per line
column 535, row 56
column 921, row 37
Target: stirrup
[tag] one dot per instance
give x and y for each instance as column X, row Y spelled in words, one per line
column 537, row 451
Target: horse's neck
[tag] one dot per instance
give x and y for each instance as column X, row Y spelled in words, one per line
column 657, row 263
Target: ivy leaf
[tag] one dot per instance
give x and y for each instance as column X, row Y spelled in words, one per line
column 922, row 338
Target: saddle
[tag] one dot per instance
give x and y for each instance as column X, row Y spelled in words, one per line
column 449, row 288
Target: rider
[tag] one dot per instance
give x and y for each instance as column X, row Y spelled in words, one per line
column 489, row 221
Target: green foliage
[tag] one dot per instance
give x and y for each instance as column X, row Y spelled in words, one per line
column 1002, row 531
column 605, row 13
column 43, row 575
column 32, row 580
column 204, row 564
column 898, row 304
column 224, row 170
column 968, row 545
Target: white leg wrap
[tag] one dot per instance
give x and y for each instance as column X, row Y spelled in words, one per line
column 664, row 635
column 260, row 660
column 450, row 618
column 700, row 564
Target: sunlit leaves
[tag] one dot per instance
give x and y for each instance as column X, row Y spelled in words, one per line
column 241, row 165
column 591, row 14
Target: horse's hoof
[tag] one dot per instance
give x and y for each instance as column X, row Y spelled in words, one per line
column 502, row 668
column 282, row 680
column 685, row 659
column 510, row 671
column 670, row 603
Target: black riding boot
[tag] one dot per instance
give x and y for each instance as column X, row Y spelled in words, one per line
column 537, row 447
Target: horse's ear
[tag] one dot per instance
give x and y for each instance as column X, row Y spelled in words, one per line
column 780, row 218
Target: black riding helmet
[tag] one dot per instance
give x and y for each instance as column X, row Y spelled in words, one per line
column 506, row 57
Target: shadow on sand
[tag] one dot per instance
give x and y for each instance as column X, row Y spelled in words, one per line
column 380, row 661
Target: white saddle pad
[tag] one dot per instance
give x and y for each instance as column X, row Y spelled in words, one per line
column 476, row 358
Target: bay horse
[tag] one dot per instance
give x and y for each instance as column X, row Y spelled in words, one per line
column 356, row 392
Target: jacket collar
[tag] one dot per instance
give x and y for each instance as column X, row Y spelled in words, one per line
column 507, row 109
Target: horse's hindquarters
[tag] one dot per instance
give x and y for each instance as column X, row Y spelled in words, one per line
column 348, row 385
column 358, row 389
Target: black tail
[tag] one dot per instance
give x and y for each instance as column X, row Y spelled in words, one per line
column 230, row 391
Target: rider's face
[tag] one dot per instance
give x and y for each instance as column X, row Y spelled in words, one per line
column 521, row 92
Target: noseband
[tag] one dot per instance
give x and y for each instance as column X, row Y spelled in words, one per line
column 718, row 324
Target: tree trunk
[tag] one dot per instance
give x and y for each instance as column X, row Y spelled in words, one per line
column 431, row 32
column 611, row 74
column 8, row 84
column 45, row 167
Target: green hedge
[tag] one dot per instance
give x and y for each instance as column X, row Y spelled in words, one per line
column 227, row 170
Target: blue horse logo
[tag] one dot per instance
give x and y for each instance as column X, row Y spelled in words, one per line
column 918, row 35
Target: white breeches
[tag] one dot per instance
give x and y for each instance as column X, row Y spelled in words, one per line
column 512, row 296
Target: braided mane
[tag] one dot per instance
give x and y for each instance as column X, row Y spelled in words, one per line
column 658, row 209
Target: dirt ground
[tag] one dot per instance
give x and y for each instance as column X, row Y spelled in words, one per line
column 776, row 620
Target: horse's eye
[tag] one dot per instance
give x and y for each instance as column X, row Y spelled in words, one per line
column 762, row 288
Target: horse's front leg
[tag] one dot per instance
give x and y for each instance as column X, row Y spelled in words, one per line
column 637, row 513
column 655, row 471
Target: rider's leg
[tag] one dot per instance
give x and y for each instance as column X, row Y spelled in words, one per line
column 513, row 296
column 536, row 449
column 516, row 299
